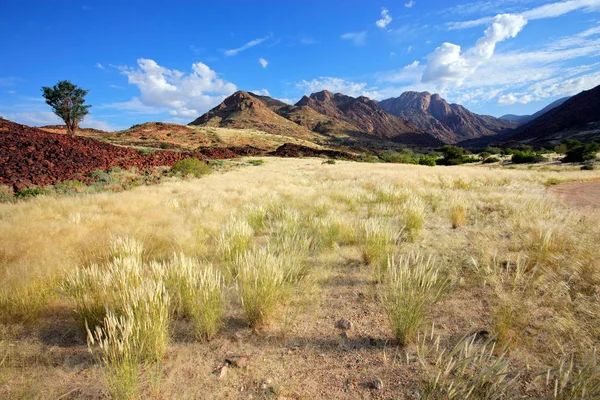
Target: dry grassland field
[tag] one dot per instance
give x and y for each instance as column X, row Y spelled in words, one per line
column 298, row 279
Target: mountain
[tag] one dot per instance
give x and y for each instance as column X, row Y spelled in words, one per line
column 321, row 118
column 577, row 118
column 243, row 110
column 526, row 118
column 367, row 117
column 450, row 123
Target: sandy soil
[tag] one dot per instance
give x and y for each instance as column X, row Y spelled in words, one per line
column 578, row 194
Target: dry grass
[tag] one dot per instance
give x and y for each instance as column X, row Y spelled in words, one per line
column 292, row 247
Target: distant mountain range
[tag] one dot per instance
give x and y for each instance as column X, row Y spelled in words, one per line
column 415, row 119
column 526, row 118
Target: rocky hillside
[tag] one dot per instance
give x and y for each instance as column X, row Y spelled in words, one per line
column 243, row 110
column 31, row 156
column 368, row 118
column 450, row 123
column 578, row 118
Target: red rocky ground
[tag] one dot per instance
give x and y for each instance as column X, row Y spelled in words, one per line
column 30, row 156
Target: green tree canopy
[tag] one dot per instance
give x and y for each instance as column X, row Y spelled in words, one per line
column 66, row 100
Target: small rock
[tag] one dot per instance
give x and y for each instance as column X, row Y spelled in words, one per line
column 378, row 384
column 344, row 324
column 237, row 361
column 220, row 372
column 372, row 341
column 264, row 385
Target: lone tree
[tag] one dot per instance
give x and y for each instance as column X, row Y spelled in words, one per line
column 66, row 100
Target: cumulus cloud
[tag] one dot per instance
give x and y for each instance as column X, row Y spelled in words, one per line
column 358, row 38
column 409, row 4
column 507, row 99
column 183, row 95
column 252, row 43
column 449, row 64
column 100, row 66
column 263, row 62
column 385, row 19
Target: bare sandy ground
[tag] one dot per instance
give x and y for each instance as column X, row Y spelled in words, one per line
column 578, row 194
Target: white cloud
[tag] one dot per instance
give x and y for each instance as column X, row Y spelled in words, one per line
column 385, row 19
column 409, row 4
column 162, row 89
column 246, row 46
column 263, row 62
column 546, row 11
column 507, row 99
column 42, row 118
column 358, row 38
column 447, row 64
column 287, row 100
column 261, row 92
column 11, row 91
column 409, row 74
column 116, row 87
column 100, row 66
column 334, row 85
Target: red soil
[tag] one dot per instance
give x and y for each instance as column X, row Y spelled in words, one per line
column 30, row 156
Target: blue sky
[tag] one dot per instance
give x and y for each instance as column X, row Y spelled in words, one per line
column 157, row 61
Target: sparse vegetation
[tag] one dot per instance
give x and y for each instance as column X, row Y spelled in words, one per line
column 191, row 166
column 170, row 277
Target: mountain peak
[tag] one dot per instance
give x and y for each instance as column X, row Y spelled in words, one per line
column 450, row 123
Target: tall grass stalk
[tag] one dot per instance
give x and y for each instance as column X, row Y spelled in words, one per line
column 412, row 285
column 261, row 284
column 469, row 370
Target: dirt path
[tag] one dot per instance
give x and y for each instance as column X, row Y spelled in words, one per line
column 578, row 194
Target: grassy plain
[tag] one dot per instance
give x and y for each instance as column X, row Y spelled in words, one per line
column 459, row 282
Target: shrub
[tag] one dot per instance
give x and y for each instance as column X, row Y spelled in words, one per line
column 256, row 162
column 453, row 155
column 588, row 167
column 522, row 157
column 411, row 286
column 101, row 176
column 483, row 155
column 330, row 162
column 32, row 192
column 406, row 156
column 582, row 153
column 427, row 160
column 191, row 166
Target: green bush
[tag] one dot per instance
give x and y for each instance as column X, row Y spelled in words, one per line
column 522, row 157
column 330, row 161
column 404, row 157
column 32, row 192
column 427, row 160
column 368, row 158
column 582, row 153
column 256, row 162
column 101, row 176
column 453, row 155
column 588, row 167
column 191, row 166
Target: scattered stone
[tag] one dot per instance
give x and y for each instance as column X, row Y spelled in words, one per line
column 221, row 372
column 238, row 361
column 264, row 385
column 377, row 384
column 344, row 324
column 372, row 341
